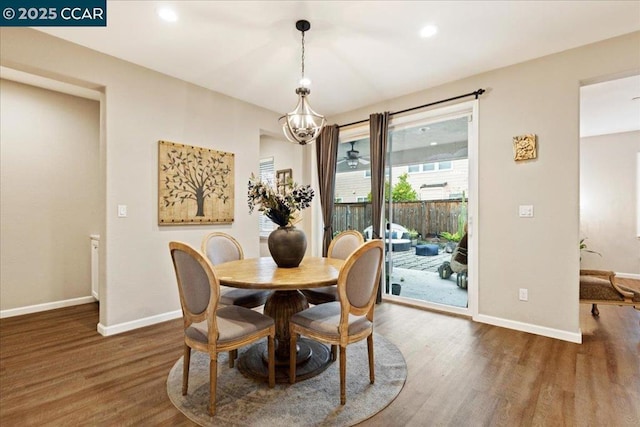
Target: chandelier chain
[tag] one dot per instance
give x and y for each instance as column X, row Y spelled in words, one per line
column 302, row 54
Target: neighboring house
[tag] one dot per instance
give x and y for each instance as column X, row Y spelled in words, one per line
column 431, row 181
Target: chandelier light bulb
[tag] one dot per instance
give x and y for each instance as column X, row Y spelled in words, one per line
column 305, row 82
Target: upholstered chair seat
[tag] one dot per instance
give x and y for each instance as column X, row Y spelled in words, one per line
column 233, row 323
column 326, row 319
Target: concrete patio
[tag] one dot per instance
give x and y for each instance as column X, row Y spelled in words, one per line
column 421, row 279
column 409, row 260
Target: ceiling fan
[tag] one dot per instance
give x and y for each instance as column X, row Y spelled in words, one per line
column 353, row 158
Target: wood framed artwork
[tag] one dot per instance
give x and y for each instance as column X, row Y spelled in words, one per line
column 524, row 147
column 282, row 176
column 195, row 185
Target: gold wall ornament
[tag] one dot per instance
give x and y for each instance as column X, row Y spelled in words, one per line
column 524, row 147
column 195, row 185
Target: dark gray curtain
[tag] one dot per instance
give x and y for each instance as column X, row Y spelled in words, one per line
column 327, row 157
column 378, row 132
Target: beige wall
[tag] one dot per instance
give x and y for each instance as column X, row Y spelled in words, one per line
column 142, row 107
column 608, row 202
column 286, row 155
column 50, row 195
column 541, row 96
column 541, row 253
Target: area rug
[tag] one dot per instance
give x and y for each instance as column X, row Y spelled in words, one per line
column 313, row 402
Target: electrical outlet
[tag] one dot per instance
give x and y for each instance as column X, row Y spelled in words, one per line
column 524, row 294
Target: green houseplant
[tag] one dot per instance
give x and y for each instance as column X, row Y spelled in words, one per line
column 583, row 248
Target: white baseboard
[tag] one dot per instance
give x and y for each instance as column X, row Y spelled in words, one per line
column 138, row 323
column 45, row 306
column 575, row 337
column 628, row 275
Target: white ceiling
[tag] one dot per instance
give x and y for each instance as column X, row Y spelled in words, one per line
column 357, row 52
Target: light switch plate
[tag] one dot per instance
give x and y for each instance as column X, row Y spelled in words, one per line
column 122, row 211
column 523, row 294
column 525, row 211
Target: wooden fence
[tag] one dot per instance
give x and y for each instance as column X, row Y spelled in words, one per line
column 427, row 217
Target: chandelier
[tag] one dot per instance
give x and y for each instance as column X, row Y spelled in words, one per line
column 302, row 125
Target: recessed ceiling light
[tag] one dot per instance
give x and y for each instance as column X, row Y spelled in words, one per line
column 167, row 14
column 434, row 143
column 428, row 31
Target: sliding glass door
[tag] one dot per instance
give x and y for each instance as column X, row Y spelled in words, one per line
column 426, row 210
column 429, row 193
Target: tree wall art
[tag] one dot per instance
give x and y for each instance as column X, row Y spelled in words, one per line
column 195, row 185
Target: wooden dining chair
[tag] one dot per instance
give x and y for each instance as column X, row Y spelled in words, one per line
column 219, row 248
column 348, row 320
column 207, row 327
column 340, row 247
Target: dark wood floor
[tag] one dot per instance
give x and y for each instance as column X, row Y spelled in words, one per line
column 55, row 369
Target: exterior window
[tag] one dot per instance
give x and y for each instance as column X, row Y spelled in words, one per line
column 338, row 200
column 267, row 174
column 427, row 167
column 444, row 165
column 367, row 173
column 361, row 199
column 413, row 168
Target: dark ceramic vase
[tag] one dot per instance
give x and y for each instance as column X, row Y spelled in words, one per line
column 287, row 246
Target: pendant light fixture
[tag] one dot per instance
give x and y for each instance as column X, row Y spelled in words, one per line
column 302, row 125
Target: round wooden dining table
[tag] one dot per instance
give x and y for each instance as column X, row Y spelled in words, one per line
column 286, row 300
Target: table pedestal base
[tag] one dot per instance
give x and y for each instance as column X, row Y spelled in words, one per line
column 313, row 358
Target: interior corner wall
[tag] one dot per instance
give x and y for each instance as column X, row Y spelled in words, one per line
column 142, row 107
column 50, row 194
column 540, row 254
column 608, row 202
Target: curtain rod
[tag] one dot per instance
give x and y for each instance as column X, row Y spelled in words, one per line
column 477, row 93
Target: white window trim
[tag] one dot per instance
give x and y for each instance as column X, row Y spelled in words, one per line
column 267, row 174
